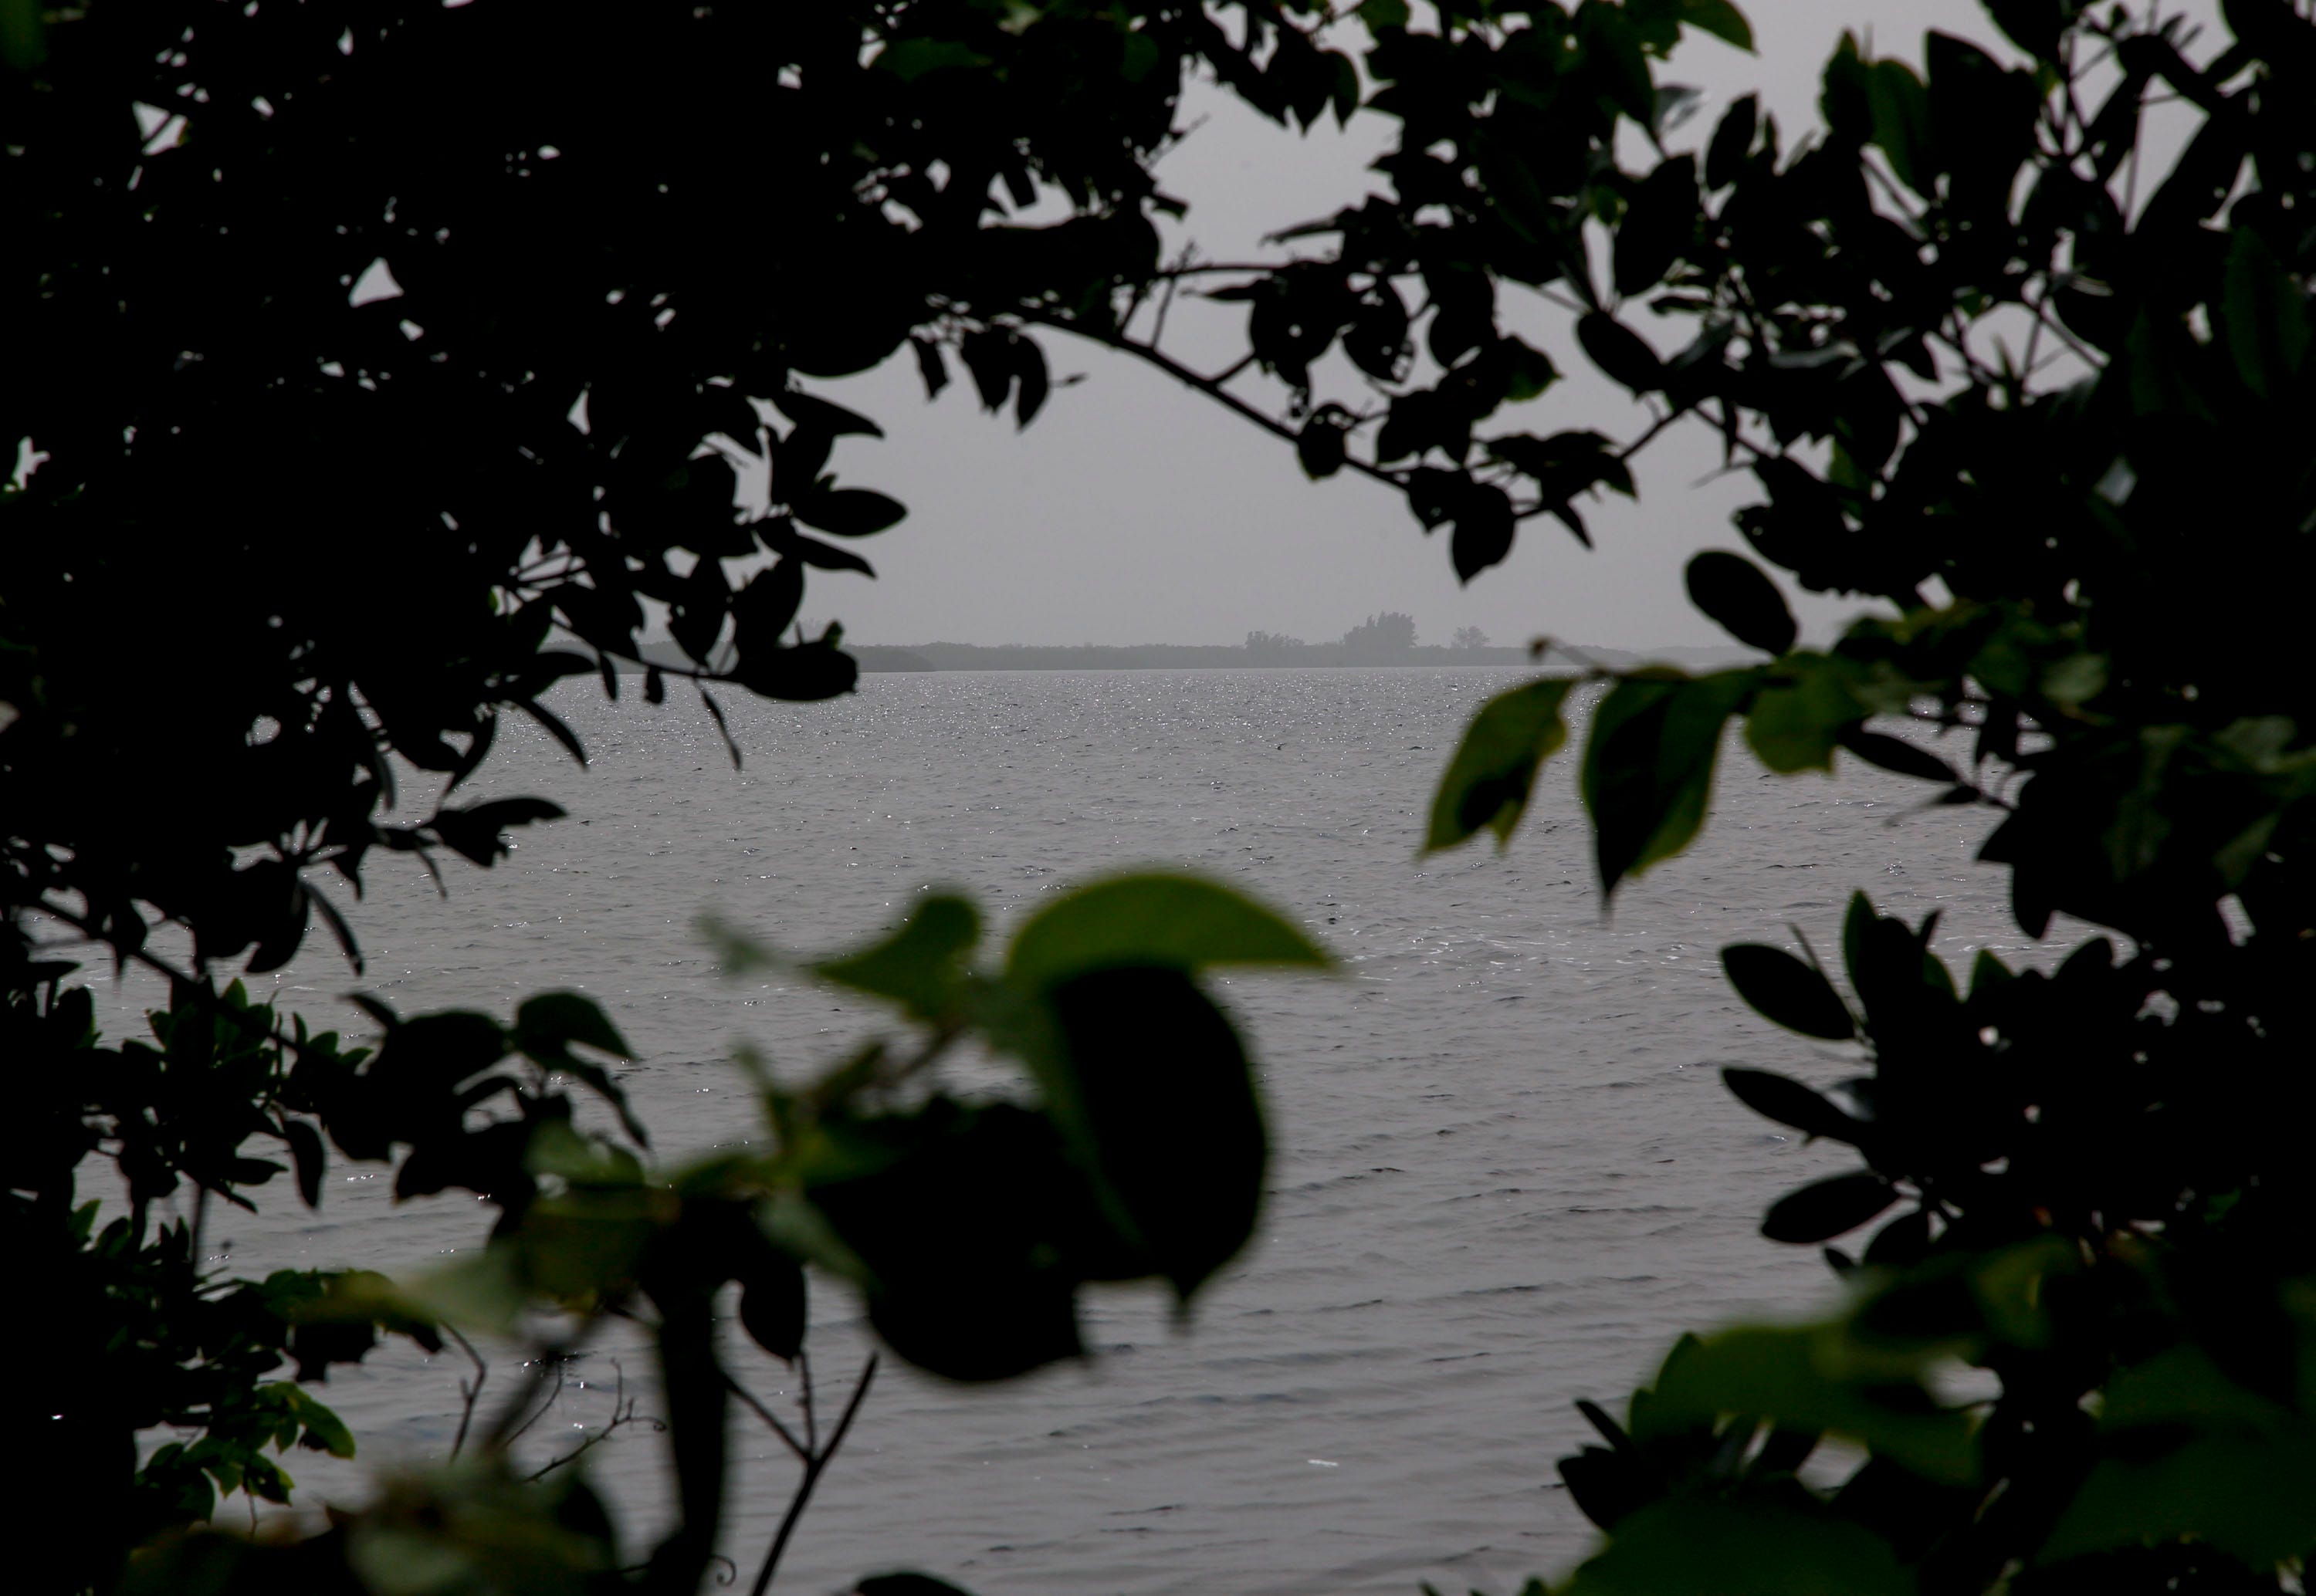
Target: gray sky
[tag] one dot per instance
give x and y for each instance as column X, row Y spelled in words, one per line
column 1133, row 510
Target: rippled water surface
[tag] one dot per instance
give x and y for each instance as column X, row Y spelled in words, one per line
column 1506, row 1176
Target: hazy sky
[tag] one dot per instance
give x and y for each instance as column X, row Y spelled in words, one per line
column 1133, row 510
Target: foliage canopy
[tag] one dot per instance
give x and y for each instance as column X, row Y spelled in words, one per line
column 1991, row 359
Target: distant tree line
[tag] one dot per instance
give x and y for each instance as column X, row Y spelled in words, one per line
column 1386, row 639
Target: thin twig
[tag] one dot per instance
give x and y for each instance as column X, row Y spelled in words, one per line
column 813, row 1469
column 551, row 1365
column 623, row 1412
column 469, row 1395
column 787, row 1436
column 804, row 1389
column 1211, row 387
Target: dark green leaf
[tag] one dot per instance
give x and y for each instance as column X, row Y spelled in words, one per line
column 1719, row 18
column 1801, row 713
column 1173, row 921
column 1488, row 781
column 922, row 965
column 1740, row 1548
column 2266, row 316
column 911, row 59
column 1901, row 124
column 1648, row 765
column 2247, row 1494
column 1813, row 1379
column 1614, row 58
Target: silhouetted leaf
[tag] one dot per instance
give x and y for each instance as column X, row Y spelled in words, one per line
column 800, row 673
column 307, row 1150
column 931, row 366
column 1790, row 1103
column 1732, row 141
column 1031, row 383
column 1152, row 1086
column 1657, row 227
column 1897, row 755
column 1826, row 1209
column 809, row 410
column 761, row 611
column 772, row 1299
column 1319, row 449
column 906, row 1584
column 1734, row 592
column 848, row 512
column 989, row 356
column 1484, row 529
column 1780, row 988
column 553, row 1021
column 975, row 1228
column 2032, row 25
column 1623, row 354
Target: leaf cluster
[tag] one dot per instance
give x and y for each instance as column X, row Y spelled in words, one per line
column 1993, row 365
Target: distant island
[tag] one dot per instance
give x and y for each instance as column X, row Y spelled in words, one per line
column 1387, row 639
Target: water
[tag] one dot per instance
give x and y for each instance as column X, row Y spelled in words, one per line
column 1506, row 1175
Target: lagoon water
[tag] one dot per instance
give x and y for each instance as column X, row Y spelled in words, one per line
column 1506, row 1174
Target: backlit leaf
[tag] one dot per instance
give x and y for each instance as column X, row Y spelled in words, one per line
column 920, row 965
column 1177, row 922
column 1487, row 782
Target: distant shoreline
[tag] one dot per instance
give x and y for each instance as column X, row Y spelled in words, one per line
column 892, row 659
